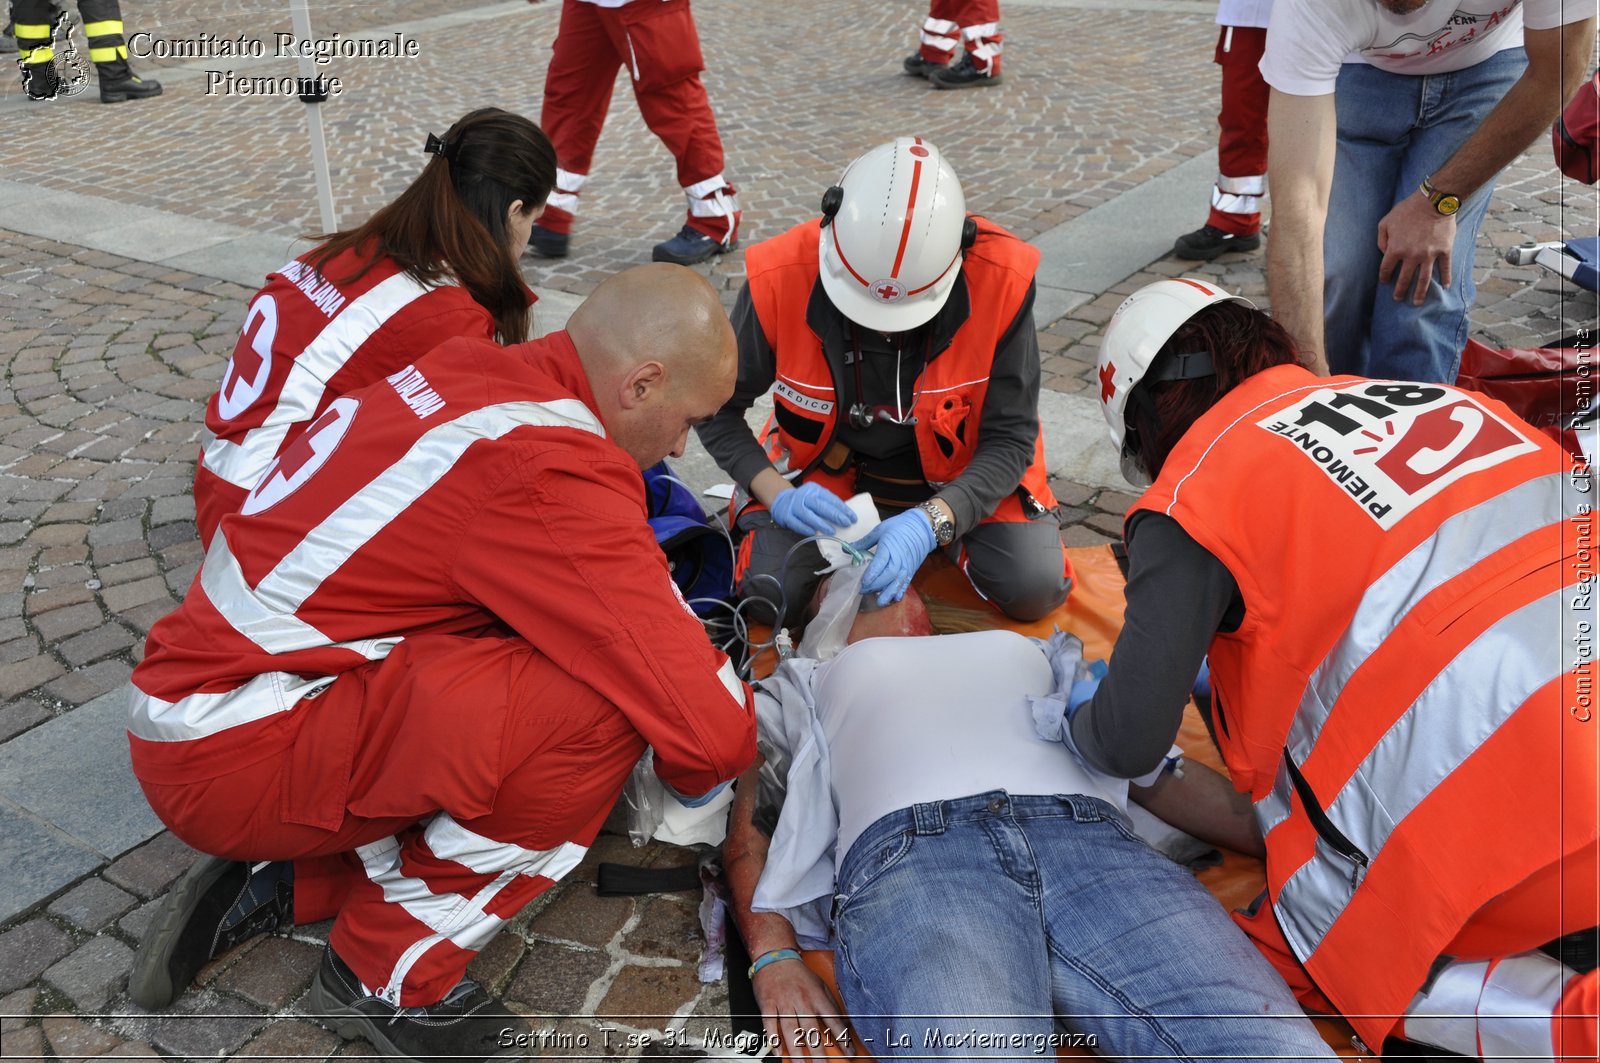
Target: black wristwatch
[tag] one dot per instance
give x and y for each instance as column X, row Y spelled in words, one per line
column 944, row 529
column 1443, row 202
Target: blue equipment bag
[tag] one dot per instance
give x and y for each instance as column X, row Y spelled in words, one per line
column 698, row 554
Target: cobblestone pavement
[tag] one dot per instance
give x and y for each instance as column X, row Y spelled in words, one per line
column 108, row 361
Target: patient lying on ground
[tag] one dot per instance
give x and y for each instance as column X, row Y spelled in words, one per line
column 983, row 891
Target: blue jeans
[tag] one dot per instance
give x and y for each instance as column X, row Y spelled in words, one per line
column 965, row 927
column 1394, row 130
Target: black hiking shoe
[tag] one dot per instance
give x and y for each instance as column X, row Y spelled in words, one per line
column 919, row 67
column 963, row 74
column 467, row 1024
column 217, row 905
column 1206, row 243
column 690, row 248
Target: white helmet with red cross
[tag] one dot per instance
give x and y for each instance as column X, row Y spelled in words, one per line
column 1142, row 325
column 892, row 236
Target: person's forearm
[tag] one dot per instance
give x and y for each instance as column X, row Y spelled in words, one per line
column 745, row 853
column 767, row 485
column 731, row 444
column 1205, row 804
column 1294, row 282
column 1557, row 63
column 993, row 473
column 1302, row 133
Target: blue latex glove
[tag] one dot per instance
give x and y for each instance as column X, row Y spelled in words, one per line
column 811, row 509
column 902, row 541
column 1080, row 694
column 695, row 802
column 1202, row 682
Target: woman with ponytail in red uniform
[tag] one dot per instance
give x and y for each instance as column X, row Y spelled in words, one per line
column 437, row 263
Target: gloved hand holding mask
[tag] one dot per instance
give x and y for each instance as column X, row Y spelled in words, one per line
column 902, row 542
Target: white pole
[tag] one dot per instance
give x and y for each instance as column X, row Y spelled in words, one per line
column 301, row 18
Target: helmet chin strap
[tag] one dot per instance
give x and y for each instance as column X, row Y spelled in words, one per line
column 1187, row 365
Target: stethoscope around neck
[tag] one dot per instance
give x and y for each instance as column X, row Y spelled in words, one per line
column 861, row 415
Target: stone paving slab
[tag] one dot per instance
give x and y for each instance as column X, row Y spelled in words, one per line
column 73, row 773
column 38, row 860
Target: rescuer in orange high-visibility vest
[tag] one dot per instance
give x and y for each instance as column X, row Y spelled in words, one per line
column 897, row 337
column 1392, row 583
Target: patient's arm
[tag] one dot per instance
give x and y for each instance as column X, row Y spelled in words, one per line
column 1203, row 803
column 797, row 1010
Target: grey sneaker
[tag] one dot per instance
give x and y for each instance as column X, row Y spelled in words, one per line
column 467, row 1024
column 216, row 906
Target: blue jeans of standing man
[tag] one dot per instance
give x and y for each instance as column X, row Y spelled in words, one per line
column 1394, row 130
column 966, row 927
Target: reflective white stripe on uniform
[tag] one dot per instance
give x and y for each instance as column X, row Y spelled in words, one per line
column 1493, row 676
column 154, row 720
column 706, row 187
column 1239, row 195
column 567, row 181
column 563, row 201
column 940, row 33
column 1459, row 543
column 265, row 613
column 1518, row 1003
column 1446, row 1015
column 1273, row 809
column 716, row 205
column 1498, row 1011
column 982, row 29
column 242, row 463
column 453, row 917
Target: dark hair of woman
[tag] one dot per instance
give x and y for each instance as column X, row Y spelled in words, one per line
column 451, row 221
column 1243, row 341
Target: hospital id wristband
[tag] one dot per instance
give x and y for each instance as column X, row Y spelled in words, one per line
column 766, row 959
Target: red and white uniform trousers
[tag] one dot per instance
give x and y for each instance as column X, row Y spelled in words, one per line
column 1242, row 143
column 656, row 40
column 971, row 24
column 479, row 773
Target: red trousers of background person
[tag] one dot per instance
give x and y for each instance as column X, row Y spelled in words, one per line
column 1242, row 145
column 974, row 23
column 656, row 41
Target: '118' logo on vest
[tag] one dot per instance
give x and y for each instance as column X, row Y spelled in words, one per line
column 1393, row 446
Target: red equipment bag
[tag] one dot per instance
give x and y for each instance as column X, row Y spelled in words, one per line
column 1575, row 137
column 1549, row 387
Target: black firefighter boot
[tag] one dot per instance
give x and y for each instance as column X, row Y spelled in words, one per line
column 41, row 81
column 118, row 82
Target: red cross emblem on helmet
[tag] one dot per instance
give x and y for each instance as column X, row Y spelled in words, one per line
column 888, row 291
column 1108, row 382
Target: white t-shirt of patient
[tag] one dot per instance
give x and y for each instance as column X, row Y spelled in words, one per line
column 910, row 720
column 1308, row 40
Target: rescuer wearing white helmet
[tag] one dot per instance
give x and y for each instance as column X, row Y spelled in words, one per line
column 897, row 334
column 1382, row 576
